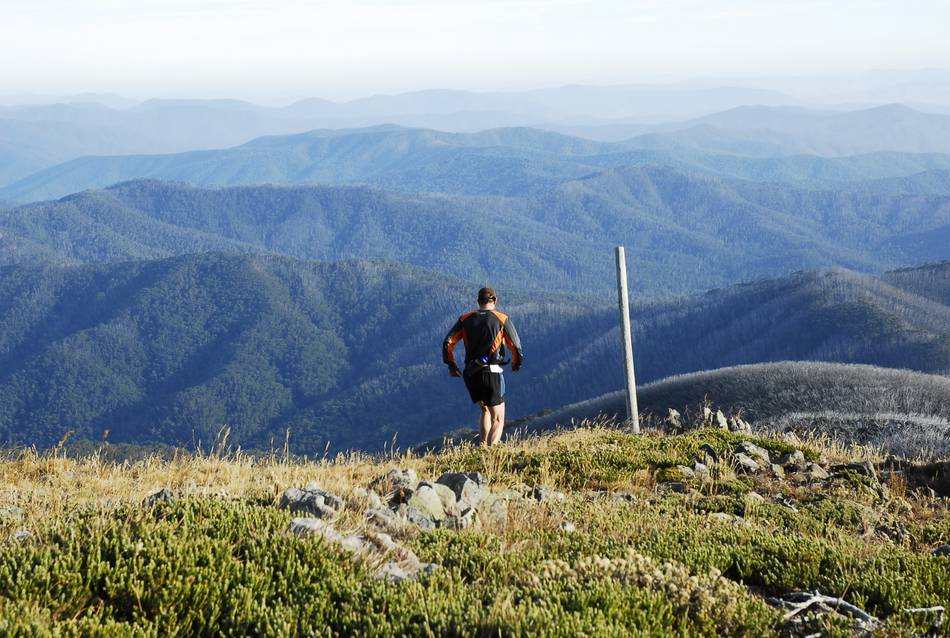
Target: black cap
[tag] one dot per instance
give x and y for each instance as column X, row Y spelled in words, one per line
column 486, row 295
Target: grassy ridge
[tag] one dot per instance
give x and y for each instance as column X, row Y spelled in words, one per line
column 219, row 561
column 898, row 410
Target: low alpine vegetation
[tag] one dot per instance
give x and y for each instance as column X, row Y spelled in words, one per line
column 592, row 531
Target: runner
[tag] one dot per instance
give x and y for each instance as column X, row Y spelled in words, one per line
column 485, row 332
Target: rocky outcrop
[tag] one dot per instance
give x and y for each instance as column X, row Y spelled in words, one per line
column 311, row 500
column 394, row 562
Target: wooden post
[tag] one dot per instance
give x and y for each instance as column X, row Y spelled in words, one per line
column 633, row 415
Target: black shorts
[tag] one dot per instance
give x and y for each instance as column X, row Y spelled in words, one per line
column 485, row 386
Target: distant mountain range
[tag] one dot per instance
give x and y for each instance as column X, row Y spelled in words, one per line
column 39, row 137
column 511, row 161
column 348, row 353
column 684, row 232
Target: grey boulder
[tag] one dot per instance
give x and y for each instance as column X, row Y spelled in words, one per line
column 760, row 455
column 428, row 502
column 311, row 500
column 746, row 464
column 469, row 487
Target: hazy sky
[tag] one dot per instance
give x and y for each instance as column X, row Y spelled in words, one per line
column 288, row 48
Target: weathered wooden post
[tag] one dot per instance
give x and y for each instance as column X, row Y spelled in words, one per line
column 633, row 414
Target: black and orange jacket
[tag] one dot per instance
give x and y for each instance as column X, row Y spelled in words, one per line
column 485, row 333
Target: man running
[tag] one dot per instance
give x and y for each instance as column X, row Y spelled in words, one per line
column 485, row 332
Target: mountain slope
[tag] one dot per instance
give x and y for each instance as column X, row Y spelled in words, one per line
column 173, row 350
column 348, row 353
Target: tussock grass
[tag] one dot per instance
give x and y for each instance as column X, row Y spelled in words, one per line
column 218, row 560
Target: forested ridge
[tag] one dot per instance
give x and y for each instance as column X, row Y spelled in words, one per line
column 686, row 232
column 347, row 353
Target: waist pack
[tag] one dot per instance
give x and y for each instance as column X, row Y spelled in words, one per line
column 471, row 367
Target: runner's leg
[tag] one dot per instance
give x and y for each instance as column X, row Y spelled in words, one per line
column 497, row 423
column 484, row 422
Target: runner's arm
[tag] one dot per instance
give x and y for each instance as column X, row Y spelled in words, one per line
column 452, row 338
column 514, row 345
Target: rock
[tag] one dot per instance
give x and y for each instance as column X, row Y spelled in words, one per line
column 722, row 517
column 569, row 527
column 369, row 497
column 400, row 495
column 676, row 473
column 386, row 519
column 523, row 490
column 428, row 502
column 862, row 468
column 738, row 425
column 380, row 542
column 721, row 420
column 543, row 493
column 163, row 495
column 816, row 472
column 777, row 470
column 355, row 544
column 686, row 471
column 314, row 527
column 674, row 420
column 311, row 500
column 447, row 496
column 707, row 454
column 397, row 573
column 469, row 487
column 793, row 461
column 701, row 471
column 943, row 550
column 419, row 519
column 786, row 502
column 746, row 464
column 22, row 535
column 672, row 486
column 895, row 531
column 754, row 498
column 760, row 455
column 394, row 479
column 394, row 571
column 463, row 520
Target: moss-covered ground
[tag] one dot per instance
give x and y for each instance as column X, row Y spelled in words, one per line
column 635, row 559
